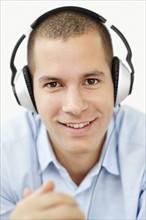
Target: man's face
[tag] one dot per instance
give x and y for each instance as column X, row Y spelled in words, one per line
column 73, row 90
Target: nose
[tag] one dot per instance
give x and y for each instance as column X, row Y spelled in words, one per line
column 74, row 102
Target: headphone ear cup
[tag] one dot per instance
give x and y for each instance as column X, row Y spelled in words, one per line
column 121, row 80
column 115, row 76
column 28, row 80
column 24, row 90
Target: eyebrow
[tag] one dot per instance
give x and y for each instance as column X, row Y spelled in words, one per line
column 94, row 73
column 84, row 75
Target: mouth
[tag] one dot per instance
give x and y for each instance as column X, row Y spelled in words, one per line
column 78, row 125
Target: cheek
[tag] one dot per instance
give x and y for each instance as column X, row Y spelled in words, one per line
column 104, row 99
column 47, row 103
column 105, row 104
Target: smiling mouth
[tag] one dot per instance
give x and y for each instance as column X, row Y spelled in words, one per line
column 78, row 125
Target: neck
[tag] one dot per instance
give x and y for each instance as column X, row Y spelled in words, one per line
column 79, row 165
column 78, row 168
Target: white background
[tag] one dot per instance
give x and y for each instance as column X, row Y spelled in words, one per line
column 127, row 16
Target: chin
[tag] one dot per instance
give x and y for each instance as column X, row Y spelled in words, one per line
column 78, row 150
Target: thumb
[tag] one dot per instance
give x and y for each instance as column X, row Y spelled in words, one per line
column 26, row 192
column 47, row 187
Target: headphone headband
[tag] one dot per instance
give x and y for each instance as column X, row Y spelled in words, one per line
column 91, row 14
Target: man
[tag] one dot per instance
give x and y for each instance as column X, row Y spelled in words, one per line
column 78, row 157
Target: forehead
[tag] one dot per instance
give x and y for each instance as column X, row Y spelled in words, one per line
column 80, row 54
column 89, row 43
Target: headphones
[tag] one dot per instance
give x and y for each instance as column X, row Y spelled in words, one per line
column 122, row 78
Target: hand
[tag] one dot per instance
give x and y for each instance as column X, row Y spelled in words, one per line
column 44, row 203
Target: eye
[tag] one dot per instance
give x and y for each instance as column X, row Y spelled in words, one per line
column 53, row 84
column 91, row 81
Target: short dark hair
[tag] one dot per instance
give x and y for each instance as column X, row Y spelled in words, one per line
column 66, row 24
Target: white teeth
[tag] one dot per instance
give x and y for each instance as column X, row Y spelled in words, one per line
column 81, row 125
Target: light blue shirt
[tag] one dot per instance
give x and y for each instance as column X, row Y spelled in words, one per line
column 114, row 189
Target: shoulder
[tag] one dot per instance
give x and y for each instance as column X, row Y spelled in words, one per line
column 19, row 127
column 130, row 139
column 130, row 125
column 18, row 144
column 19, row 135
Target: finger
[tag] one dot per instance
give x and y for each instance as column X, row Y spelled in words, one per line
column 47, row 187
column 27, row 192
